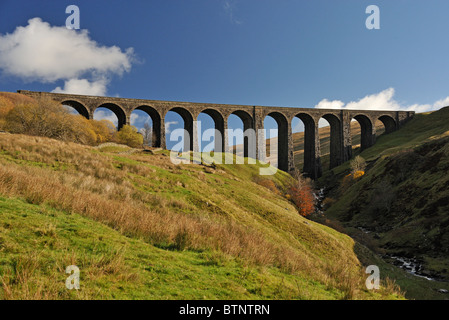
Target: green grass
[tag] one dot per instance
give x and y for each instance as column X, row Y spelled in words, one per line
column 43, row 242
column 263, row 248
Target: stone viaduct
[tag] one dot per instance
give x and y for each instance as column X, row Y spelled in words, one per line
column 252, row 118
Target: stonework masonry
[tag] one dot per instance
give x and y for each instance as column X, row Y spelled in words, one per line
column 252, row 118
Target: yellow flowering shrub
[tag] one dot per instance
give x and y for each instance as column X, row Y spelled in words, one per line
column 358, row 174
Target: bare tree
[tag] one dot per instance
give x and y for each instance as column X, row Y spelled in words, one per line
column 358, row 164
column 147, row 132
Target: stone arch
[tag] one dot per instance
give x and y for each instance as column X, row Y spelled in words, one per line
column 367, row 137
column 157, row 124
column 117, row 110
column 78, row 106
column 283, row 136
column 249, row 135
column 187, row 117
column 389, row 123
column 336, row 140
column 219, row 123
column 312, row 165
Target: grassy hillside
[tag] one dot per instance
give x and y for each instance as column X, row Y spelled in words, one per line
column 402, row 202
column 141, row 227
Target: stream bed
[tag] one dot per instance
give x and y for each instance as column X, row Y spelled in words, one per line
column 410, row 265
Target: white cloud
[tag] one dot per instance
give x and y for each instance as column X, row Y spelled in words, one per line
column 168, row 124
column 139, row 118
column 383, row 100
column 379, row 101
column 83, row 86
column 134, row 119
column 326, row 104
column 430, row 107
column 41, row 52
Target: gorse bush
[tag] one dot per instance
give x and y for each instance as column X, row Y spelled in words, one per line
column 358, row 174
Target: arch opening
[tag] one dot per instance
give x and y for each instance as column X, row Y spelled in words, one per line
column 148, row 122
column 235, row 135
column 241, row 130
column 211, row 135
column 181, row 140
column 276, row 140
column 76, row 107
column 355, row 132
column 361, row 133
column 389, row 123
column 380, row 128
column 305, row 135
column 331, row 143
column 111, row 112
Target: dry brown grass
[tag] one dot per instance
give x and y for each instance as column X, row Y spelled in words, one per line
column 101, row 192
column 267, row 183
column 127, row 215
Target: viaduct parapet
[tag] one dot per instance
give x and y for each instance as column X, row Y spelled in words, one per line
column 252, row 118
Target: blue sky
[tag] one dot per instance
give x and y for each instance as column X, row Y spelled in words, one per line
column 256, row 52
